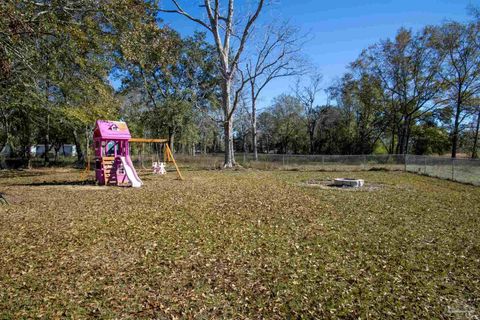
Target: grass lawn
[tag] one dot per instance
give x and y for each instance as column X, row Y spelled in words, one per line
column 239, row 244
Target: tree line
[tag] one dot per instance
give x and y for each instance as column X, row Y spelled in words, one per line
column 55, row 59
column 417, row 93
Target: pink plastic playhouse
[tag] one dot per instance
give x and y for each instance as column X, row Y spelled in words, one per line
column 113, row 165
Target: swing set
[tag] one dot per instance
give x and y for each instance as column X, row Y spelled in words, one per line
column 167, row 155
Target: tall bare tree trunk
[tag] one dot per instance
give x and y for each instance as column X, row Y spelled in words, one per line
column 401, row 138
column 228, row 123
column 47, row 142
column 204, row 146
column 27, row 150
column 254, row 122
column 29, row 156
column 392, row 142
column 78, row 146
column 404, row 135
column 311, row 134
column 245, row 146
column 475, row 139
column 229, row 155
column 456, row 126
column 407, row 138
column 221, row 25
column 171, row 139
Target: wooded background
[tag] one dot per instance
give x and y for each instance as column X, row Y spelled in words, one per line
column 418, row 93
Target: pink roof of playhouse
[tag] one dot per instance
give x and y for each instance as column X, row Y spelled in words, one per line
column 115, row 130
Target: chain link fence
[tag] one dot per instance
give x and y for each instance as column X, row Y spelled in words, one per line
column 461, row 170
column 298, row 162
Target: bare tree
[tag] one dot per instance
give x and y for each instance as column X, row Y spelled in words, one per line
column 243, row 121
column 307, row 95
column 277, row 55
column 460, row 72
column 230, row 35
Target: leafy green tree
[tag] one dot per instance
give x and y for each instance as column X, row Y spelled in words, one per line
column 289, row 131
column 173, row 85
column 408, row 68
column 428, row 137
column 360, row 97
column 266, row 134
column 56, row 57
column 332, row 135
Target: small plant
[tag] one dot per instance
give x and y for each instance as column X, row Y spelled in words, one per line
column 3, row 201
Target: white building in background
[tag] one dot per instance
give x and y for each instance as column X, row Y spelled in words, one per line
column 66, row 150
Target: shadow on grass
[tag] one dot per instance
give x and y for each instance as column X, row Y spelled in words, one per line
column 59, row 183
column 20, row 173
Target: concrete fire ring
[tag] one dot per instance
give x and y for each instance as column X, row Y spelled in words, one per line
column 348, row 182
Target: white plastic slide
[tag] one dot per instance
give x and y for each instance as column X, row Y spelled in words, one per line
column 131, row 173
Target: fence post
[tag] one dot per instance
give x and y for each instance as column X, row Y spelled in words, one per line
column 425, row 165
column 405, row 162
column 283, row 160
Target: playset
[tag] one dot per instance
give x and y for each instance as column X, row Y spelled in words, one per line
column 113, row 165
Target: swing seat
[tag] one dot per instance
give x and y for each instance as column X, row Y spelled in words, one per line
column 155, row 167
column 161, row 168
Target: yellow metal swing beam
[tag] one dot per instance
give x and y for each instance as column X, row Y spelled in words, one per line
column 168, row 156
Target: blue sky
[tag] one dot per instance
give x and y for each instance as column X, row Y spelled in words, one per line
column 339, row 29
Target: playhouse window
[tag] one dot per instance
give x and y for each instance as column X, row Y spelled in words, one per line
column 110, row 148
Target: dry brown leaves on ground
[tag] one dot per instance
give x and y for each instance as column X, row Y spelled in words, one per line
column 238, row 244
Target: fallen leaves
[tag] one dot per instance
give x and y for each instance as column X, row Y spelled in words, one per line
column 238, row 244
